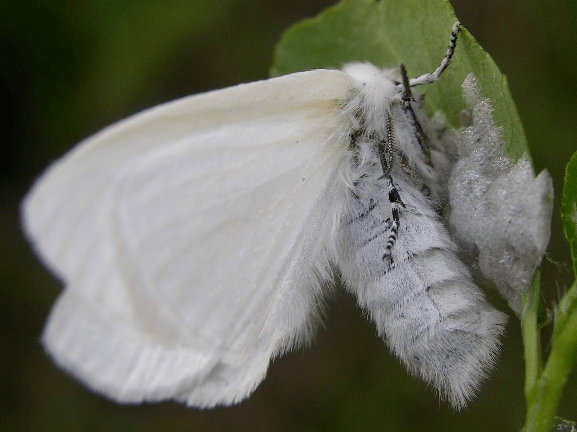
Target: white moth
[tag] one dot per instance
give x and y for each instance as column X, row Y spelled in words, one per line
column 196, row 239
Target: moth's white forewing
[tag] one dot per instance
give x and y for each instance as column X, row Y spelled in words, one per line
column 191, row 237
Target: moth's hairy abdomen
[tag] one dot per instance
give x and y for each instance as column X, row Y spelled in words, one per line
column 424, row 304
column 421, row 297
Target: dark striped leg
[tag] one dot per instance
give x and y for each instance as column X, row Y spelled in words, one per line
column 387, row 148
column 396, row 204
column 386, row 155
column 407, row 97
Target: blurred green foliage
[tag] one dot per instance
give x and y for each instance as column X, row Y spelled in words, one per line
column 72, row 67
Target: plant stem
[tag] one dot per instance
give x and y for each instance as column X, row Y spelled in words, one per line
column 531, row 336
column 544, row 394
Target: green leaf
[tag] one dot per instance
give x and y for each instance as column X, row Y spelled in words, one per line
column 413, row 32
column 569, row 207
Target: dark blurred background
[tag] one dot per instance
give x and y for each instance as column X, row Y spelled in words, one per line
column 74, row 66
